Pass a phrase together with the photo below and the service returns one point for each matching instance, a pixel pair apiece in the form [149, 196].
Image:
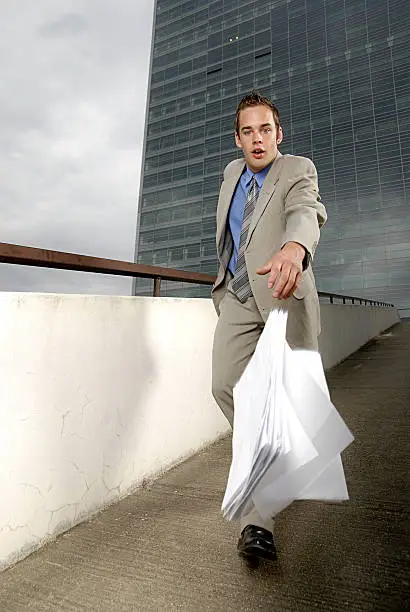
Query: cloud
[71, 132]
[69, 25]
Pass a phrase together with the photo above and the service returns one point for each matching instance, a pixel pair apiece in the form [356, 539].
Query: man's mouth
[258, 153]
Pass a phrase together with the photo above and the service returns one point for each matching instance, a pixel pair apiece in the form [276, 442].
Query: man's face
[258, 137]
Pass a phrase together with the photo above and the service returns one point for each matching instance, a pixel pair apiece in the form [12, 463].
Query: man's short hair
[256, 99]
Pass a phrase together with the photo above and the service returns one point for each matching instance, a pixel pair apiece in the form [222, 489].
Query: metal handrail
[45, 258]
[352, 299]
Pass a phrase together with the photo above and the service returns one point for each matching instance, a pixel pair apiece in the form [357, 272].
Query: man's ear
[279, 136]
[237, 141]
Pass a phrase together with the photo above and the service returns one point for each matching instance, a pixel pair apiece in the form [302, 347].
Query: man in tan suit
[268, 220]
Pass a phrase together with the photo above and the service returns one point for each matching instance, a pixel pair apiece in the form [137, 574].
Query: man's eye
[267, 130]
[247, 132]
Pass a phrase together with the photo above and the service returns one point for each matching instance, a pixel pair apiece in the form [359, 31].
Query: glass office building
[339, 72]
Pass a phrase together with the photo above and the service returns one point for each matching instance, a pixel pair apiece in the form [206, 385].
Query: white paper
[287, 436]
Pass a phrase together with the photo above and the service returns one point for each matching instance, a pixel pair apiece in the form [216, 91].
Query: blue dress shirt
[238, 206]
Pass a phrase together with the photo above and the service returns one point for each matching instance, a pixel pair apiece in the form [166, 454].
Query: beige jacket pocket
[306, 284]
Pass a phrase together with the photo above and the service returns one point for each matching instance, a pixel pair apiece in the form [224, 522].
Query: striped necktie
[240, 282]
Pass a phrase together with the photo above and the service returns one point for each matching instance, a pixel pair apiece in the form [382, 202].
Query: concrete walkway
[167, 548]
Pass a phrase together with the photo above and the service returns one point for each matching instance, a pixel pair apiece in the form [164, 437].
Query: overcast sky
[73, 82]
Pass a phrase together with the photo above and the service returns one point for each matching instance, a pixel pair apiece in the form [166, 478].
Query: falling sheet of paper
[287, 436]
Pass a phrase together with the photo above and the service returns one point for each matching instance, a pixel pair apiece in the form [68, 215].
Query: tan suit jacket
[288, 209]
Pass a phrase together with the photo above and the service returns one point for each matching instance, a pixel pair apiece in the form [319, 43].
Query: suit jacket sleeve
[304, 211]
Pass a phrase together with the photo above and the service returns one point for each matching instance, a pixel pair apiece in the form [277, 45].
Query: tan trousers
[237, 332]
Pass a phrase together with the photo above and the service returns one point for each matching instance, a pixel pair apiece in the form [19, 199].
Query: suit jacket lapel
[225, 198]
[265, 194]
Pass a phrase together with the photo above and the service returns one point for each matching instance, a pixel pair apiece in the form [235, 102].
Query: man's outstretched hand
[285, 270]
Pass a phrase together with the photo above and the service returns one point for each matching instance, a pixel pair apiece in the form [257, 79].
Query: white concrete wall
[96, 395]
[99, 393]
[345, 328]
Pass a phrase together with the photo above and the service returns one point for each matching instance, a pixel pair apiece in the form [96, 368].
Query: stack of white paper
[287, 435]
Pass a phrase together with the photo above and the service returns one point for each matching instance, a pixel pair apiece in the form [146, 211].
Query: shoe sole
[257, 553]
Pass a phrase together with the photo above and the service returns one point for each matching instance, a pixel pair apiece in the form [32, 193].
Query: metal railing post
[157, 286]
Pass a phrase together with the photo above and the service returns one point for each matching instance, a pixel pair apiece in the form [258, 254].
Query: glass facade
[339, 72]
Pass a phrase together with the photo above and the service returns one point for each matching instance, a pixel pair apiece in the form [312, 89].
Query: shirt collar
[259, 176]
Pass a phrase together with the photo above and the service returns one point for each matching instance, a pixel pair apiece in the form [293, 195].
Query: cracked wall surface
[97, 394]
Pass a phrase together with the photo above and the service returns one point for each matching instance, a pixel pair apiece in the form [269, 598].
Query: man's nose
[257, 137]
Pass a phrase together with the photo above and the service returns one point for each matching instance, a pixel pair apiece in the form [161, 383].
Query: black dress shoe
[256, 542]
